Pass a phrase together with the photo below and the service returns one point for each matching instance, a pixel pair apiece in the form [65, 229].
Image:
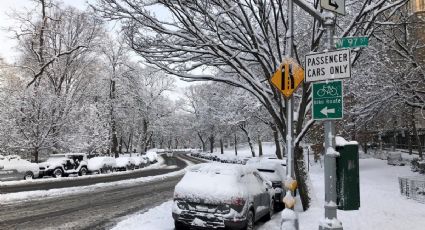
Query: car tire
[57, 173]
[29, 176]
[179, 226]
[83, 171]
[250, 220]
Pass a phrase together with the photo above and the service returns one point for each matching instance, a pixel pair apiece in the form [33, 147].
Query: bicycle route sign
[327, 65]
[327, 100]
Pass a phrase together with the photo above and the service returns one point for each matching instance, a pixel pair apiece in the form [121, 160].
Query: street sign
[327, 65]
[327, 100]
[351, 42]
[337, 6]
[288, 77]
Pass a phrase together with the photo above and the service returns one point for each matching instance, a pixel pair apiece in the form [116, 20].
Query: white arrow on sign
[325, 111]
[337, 6]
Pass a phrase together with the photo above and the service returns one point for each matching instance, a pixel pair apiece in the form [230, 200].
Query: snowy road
[97, 209]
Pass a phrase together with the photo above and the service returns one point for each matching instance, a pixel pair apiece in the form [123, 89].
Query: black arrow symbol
[333, 4]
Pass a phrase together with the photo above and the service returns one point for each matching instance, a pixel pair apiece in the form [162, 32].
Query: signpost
[327, 65]
[337, 6]
[327, 100]
[288, 77]
[351, 42]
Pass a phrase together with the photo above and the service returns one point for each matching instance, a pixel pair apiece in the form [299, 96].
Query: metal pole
[331, 221]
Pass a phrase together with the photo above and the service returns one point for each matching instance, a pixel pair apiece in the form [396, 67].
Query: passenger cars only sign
[327, 66]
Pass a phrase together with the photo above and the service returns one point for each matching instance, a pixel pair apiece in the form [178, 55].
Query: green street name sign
[327, 100]
[351, 42]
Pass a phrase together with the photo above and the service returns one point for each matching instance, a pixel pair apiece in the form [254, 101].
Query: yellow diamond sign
[288, 77]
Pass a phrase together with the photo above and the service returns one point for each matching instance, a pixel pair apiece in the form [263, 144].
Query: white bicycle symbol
[328, 91]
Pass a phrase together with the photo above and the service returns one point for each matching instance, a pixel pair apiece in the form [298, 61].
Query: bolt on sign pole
[331, 221]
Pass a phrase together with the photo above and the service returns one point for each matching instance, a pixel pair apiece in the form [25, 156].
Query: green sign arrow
[327, 100]
[351, 42]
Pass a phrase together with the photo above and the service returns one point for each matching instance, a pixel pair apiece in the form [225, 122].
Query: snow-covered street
[382, 206]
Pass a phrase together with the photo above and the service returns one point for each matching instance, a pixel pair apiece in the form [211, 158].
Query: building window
[417, 6]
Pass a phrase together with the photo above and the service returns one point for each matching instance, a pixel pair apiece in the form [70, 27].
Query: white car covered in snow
[14, 168]
[273, 171]
[103, 164]
[141, 161]
[124, 163]
[215, 195]
[59, 165]
[152, 156]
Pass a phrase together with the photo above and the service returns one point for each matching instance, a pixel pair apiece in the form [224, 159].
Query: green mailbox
[347, 175]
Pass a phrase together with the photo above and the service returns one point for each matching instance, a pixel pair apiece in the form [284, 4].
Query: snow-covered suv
[59, 165]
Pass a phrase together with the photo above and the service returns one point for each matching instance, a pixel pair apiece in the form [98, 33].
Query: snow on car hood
[19, 165]
[210, 187]
[96, 163]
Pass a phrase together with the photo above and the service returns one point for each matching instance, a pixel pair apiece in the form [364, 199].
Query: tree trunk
[394, 135]
[212, 141]
[415, 133]
[249, 139]
[36, 153]
[301, 177]
[221, 146]
[204, 148]
[260, 147]
[236, 145]
[114, 139]
[144, 135]
[120, 145]
[276, 141]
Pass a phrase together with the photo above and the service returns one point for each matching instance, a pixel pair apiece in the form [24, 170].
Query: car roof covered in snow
[221, 168]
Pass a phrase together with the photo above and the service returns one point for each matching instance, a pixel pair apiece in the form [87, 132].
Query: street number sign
[328, 100]
[288, 77]
[327, 65]
[337, 6]
[351, 42]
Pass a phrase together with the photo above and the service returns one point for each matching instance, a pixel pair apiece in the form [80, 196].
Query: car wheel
[179, 226]
[57, 173]
[250, 220]
[82, 172]
[29, 176]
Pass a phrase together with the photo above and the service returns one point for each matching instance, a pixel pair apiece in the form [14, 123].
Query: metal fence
[413, 188]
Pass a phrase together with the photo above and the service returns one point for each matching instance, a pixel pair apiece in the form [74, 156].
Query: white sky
[7, 44]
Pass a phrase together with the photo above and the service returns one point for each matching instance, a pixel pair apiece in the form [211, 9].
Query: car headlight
[182, 205]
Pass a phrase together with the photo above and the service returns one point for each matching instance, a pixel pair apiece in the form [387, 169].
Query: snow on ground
[243, 149]
[157, 218]
[382, 206]
[41, 194]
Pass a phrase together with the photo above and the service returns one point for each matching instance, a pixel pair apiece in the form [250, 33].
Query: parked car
[274, 172]
[215, 195]
[14, 168]
[102, 164]
[59, 165]
[140, 161]
[125, 163]
[153, 157]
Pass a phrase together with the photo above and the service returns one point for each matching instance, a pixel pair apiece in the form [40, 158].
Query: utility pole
[331, 221]
[289, 217]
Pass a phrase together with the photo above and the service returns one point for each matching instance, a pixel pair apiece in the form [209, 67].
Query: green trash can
[347, 175]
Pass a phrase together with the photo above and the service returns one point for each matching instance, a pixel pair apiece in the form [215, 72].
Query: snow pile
[96, 163]
[152, 155]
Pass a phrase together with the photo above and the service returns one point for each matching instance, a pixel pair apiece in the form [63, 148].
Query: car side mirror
[1, 167]
[268, 184]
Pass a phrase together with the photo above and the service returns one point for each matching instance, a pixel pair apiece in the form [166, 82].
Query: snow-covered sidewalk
[382, 206]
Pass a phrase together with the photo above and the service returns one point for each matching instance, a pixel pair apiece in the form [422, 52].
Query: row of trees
[75, 88]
